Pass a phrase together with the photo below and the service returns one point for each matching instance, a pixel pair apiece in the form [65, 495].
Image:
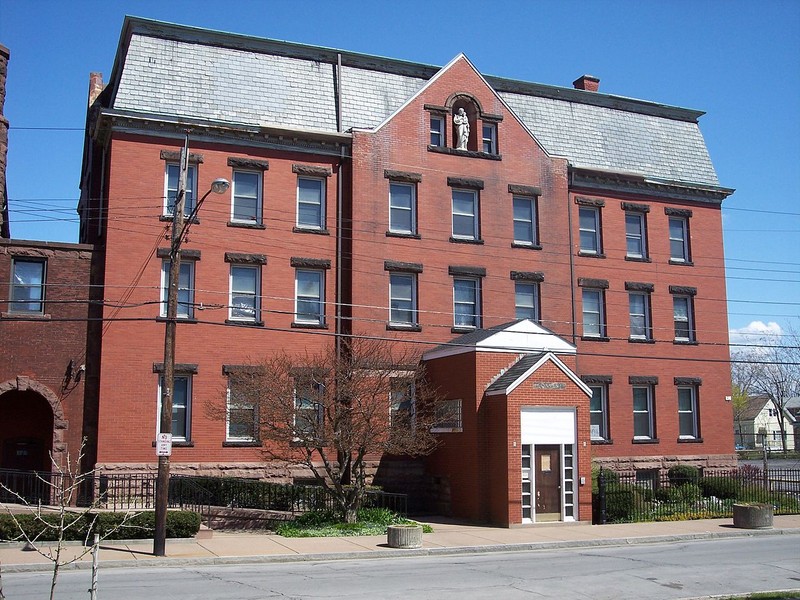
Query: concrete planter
[752, 516]
[405, 536]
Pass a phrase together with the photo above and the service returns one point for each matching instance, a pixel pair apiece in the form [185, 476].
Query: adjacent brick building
[373, 196]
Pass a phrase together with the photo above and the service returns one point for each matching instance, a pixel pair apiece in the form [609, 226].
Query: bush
[621, 503]
[683, 475]
[609, 477]
[687, 493]
[110, 526]
[724, 488]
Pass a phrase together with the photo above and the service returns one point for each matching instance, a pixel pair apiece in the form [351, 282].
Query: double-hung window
[682, 318]
[244, 293]
[465, 214]
[526, 300]
[401, 401]
[310, 203]
[687, 412]
[246, 195]
[598, 412]
[308, 409]
[489, 138]
[309, 297]
[639, 310]
[27, 286]
[171, 183]
[403, 299]
[593, 312]
[643, 408]
[181, 407]
[635, 235]
[437, 130]
[679, 239]
[242, 412]
[185, 289]
[466, 302]
[589, 226]
[402, 208]
[525, 226]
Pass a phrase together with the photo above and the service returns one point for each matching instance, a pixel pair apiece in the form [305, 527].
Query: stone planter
[752, 516]
[405, 536]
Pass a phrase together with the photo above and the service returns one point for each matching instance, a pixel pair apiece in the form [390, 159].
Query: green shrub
[621, 503]
[687, 493]
[609, 477]
[381, 516]
[724, 488]
[683, 475]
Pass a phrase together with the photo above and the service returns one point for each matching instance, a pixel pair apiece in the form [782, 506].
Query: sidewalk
[448, 538]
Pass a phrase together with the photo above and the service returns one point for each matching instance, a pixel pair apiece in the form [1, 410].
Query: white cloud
[756, 332]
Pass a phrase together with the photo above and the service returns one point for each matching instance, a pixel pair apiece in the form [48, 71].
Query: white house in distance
[758, 425]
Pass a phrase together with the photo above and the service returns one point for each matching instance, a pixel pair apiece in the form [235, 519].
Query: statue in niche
[461, 121]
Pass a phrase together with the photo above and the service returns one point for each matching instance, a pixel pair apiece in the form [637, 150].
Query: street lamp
[180, 228]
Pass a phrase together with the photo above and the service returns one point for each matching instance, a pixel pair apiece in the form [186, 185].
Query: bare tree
[770, 367]
[61, 490]
[332, 411]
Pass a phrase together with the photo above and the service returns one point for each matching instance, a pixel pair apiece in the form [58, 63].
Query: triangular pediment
[525, 367]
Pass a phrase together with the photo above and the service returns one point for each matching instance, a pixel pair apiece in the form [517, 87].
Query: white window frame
[171, 192]
[528, 203]
[475, 302]
[646, 409]
[635, 235]
[408, 304]
[256, 218]
[319, 221]
[679, 318]
[185, 306]
[690, 410]
[465, 216]
[319, 299]
[589, 233]
[600, 312]
[639, 316]
[401, 393]
[396, 209]
[489, 138]
[526, 290]
[177, 403]
[601, 414]
[449, 416]
[682, 242]
[235, 294]
[437, 130]
[32, 297]
[232, 404]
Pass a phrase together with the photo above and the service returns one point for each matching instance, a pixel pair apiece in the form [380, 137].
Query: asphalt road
[657, 572]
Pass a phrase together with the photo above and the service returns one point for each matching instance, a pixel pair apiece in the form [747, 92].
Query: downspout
[337, 90]
[571, 264]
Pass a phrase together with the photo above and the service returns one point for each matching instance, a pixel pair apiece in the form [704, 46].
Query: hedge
[110, 526]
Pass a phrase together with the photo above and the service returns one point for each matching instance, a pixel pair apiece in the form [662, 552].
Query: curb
[395, 553]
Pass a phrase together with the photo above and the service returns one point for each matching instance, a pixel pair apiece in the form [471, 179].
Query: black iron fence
[137, 492]
[772, 442]
[687, 493]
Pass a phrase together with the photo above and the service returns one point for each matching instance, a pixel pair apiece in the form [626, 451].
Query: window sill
[447, 429]
[465, 153]
[241, 444]
[591, 254]
[246, 225]
[462, 329]
[399, 327]
[684, 263]
[244, 323]
[645, 441]
[602, 442]
[642, 259]
[310, 230]
[169, 219]
[694, 440]
[685, 342]
[309, 326]
[641, 341]
[399, 234]
[25, 316]
[456, 240]
[595, 338]
[177, 320]
[524, 245]
[179, 444]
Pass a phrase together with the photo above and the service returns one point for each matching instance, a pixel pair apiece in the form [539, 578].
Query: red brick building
[378, 197]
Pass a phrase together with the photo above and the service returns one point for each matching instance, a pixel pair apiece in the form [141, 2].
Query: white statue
[462, 129]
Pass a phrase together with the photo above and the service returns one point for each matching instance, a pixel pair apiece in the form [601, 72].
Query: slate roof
[755, 405]
[166, 70]
[516, 371]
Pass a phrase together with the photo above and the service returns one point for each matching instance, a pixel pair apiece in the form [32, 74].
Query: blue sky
[737, 60]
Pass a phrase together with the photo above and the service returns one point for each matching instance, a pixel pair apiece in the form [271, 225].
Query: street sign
[164, 444]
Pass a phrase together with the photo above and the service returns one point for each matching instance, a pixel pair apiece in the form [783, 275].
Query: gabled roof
[176, 72]
[521, 336]
[755, 404]
[524, 368]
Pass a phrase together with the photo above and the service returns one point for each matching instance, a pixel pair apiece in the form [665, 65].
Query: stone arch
[60, 423]
[472, 108]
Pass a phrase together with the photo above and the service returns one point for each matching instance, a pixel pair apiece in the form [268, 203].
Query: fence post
[601, 495]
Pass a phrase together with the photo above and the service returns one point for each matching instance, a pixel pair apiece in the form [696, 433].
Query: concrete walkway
[448, 538]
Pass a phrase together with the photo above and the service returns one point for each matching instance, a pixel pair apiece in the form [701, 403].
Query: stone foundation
[635, 463]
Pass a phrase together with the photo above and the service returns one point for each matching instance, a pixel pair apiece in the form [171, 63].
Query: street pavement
[448, 538]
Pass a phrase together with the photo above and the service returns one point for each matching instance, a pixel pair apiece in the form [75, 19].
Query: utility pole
[168, 376]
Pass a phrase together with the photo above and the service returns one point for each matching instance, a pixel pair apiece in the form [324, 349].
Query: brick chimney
[590, 83]
[95, 86]
[5, 54]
